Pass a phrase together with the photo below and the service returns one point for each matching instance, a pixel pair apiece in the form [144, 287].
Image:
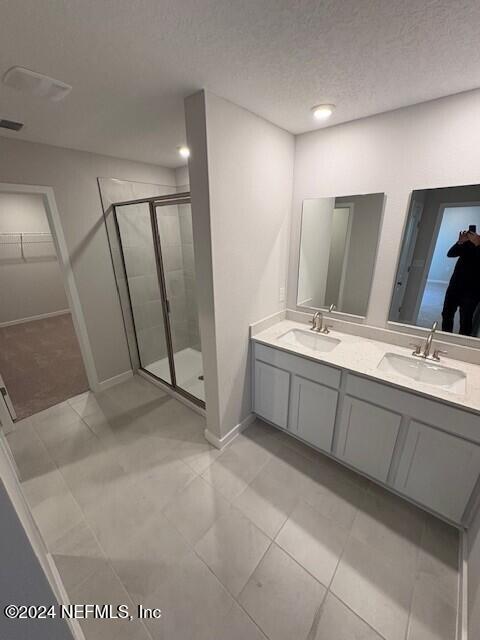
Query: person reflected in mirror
[463, 291]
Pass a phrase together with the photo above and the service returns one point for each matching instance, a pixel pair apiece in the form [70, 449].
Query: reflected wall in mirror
[438, 274]
[338, 247]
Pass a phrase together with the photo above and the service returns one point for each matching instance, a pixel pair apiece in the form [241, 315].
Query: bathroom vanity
[410, 424]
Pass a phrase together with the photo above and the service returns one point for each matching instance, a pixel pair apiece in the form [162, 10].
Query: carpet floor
[41, 363]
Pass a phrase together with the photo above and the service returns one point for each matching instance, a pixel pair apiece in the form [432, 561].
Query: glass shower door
[174, 224]
[144, 284]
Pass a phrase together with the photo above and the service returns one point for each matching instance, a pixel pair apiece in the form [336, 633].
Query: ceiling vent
[36, 84]
[10, 124]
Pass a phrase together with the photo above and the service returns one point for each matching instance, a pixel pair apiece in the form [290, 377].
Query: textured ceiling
[131, 63]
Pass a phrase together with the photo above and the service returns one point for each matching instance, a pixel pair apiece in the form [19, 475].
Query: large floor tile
[267, 503]
[232, 548]
[281, 597]
[391, 526]
[29, 452]
[194, 603]
[55, 516]
[313, 541]
[142, 560]
[102, 588]
[438, 559]
[44, 487]
[57, 436]
[77, 556]
[431, 617]
[338, 622]
[195, 509]
[165, 480]
[93, 474]
[61, 414]
[336, 497]
[377, 590]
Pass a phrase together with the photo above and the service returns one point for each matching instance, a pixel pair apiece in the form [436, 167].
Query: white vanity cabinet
[272, 387]
[367, 437]
[438, 469]
[424, 449]
[313, 408]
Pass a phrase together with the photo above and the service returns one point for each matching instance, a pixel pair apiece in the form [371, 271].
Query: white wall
[31, 284]
[427, 145]
[73, 176]
[241, 178]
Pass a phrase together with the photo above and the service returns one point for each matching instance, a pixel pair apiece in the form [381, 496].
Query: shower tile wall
[143, 284]
[177, 248]
[186, 234]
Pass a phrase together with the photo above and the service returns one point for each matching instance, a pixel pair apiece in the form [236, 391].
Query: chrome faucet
[317, 322]
[326, 328]
[428, 346]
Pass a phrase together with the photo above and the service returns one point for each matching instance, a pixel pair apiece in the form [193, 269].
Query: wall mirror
[338, 247]
[438, 274]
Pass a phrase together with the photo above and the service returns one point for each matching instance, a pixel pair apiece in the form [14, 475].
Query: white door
[438, 470]
[271, 393]
[6, 397]
[6, 426]
[367, 437]
[406, 257]
[312, 412]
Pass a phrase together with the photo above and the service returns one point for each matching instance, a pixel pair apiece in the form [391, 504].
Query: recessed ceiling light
[184, 151]
[323, 111]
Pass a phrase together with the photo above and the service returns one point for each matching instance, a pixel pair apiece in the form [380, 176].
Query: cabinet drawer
[272, 387]
[300, 366]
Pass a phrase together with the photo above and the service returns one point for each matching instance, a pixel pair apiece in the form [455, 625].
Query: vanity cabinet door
[367, 437]
[272, 387]
[438, 470]
[312, 412]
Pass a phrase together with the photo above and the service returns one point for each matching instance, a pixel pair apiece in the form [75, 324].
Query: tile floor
[267, 539]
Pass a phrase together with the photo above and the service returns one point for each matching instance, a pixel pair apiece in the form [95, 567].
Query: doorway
[156, 248]
[41, 362]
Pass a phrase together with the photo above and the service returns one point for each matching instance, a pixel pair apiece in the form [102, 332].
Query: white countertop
[362, 355]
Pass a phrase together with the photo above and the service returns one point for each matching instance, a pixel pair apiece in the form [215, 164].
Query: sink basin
[424, 371]
[309, 339]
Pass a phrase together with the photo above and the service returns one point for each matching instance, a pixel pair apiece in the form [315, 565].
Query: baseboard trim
[111, 382]
[42, 316]
[221, 443]
[462, 626]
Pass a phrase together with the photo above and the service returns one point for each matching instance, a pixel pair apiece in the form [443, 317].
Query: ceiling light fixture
[323, 111]
[184, 151]
[36, 84]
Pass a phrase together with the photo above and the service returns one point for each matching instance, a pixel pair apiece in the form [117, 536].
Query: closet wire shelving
[23, 238]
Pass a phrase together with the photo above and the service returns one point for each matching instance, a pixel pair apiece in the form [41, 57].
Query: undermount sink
[309, 339]
[424, 371]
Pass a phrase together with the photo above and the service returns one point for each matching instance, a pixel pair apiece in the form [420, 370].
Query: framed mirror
[438, 273]
[338, 247]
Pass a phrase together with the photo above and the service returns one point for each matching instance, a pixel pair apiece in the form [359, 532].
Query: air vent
[11, 124]
[36, 84]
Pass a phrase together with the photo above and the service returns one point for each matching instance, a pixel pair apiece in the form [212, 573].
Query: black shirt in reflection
[466, 275]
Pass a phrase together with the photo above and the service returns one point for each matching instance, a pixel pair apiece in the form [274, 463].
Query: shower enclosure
[155, 252]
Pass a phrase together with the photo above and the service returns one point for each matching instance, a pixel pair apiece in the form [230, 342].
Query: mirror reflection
[438, 275]
[338, 247]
